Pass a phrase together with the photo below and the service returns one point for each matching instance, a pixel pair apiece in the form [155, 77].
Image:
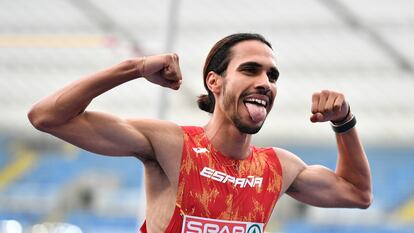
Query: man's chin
[249, 130]
[246, 128]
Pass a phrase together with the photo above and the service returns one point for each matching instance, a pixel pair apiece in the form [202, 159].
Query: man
[211, 179]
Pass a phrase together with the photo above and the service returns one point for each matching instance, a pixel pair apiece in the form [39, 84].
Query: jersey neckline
[223, 156]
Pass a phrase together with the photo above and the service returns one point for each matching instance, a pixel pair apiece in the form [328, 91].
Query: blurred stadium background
[361, 47]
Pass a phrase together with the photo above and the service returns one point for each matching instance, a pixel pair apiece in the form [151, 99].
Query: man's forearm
[72, 100]
[353, 163]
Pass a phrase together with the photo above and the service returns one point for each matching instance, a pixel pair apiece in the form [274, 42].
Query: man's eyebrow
[250, 64]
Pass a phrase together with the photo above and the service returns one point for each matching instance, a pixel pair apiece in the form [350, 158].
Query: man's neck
[226, 138]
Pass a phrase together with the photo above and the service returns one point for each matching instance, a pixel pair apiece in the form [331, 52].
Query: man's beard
[242, 127]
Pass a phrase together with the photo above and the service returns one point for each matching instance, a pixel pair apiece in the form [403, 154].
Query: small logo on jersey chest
[200, 150]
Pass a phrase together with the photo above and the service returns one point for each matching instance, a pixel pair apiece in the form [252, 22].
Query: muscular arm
[63, 113]
[350, 184]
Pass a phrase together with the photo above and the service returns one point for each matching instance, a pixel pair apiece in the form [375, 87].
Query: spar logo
[207, 225]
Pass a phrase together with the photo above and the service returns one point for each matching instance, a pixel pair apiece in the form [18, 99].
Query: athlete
[211, 178]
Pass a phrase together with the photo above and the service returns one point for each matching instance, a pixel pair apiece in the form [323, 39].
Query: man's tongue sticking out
[257, 113]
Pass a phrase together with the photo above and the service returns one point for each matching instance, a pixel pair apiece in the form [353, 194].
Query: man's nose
[263, 82]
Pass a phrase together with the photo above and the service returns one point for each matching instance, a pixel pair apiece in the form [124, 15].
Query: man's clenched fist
[163, 70]
[329, 106]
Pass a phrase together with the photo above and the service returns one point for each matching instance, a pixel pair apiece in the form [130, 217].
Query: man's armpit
[292, 189]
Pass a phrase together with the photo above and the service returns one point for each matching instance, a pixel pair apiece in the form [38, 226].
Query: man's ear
[214, 82]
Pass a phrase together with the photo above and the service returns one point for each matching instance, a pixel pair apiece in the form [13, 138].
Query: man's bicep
[104, 134]
[319, 186]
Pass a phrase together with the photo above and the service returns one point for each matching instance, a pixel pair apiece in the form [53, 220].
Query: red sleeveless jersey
[218, 194]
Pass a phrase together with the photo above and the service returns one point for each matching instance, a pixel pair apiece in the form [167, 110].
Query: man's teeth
[258, 101]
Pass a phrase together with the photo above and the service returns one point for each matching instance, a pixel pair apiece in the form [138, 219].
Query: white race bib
[193, 224]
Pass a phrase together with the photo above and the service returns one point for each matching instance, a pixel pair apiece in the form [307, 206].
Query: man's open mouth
[256, 101]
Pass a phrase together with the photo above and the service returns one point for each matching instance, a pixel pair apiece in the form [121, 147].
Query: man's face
[249, 85]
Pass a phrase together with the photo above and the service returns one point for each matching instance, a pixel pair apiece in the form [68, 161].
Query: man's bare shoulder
[292, 165]
[164, 136]
[166, 140]
[289, 158]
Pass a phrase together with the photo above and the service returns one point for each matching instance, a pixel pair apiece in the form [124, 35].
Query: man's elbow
[366, 200]
[38, 119]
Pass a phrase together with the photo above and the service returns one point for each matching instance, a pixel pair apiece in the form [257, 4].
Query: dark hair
[218, 59]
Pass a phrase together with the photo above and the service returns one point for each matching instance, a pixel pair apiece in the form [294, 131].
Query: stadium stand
[361, 47]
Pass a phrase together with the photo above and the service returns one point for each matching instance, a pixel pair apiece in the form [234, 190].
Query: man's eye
[250, 70]
[273, 75]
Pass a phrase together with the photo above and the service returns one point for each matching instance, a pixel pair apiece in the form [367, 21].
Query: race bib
[193, 224]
